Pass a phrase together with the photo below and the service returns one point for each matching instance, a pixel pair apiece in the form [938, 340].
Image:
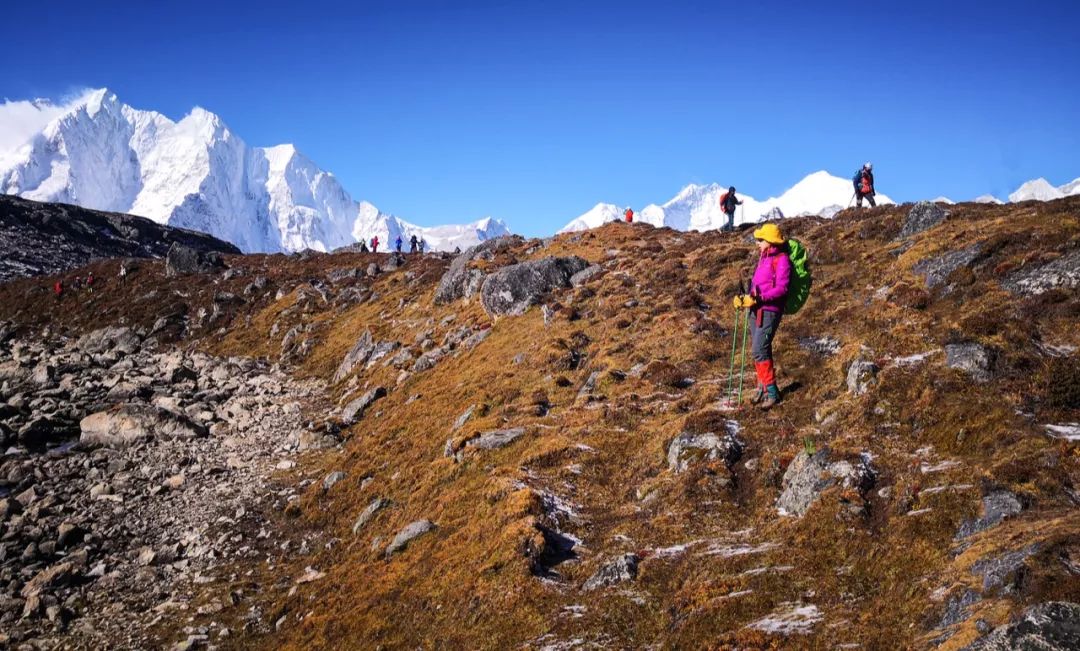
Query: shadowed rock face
[49, 238]
[512, 290]
[1053, 626]
[1063, 273]
[460, 281]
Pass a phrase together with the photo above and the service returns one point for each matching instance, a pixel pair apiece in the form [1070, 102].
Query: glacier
[196, 173]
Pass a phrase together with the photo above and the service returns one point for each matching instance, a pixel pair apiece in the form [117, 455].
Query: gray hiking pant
[761, 336]
[869, 197]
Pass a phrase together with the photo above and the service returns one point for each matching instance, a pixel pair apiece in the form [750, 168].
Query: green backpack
[800, 281]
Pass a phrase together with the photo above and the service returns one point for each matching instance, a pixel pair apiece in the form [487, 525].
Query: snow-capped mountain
[198, 174]
[697, 207]
[1041, 190]
[987, 198]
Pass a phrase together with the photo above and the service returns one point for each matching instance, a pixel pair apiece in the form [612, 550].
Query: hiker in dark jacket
[727, 203]
[414, 246]
[864, 186]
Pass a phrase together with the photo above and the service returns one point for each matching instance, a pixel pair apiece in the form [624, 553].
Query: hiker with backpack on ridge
[780, 285]
[397, 244]
[727, 203]
[864, 186]
[629, 215]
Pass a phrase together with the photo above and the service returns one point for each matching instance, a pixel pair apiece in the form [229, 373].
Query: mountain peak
[1038, 190]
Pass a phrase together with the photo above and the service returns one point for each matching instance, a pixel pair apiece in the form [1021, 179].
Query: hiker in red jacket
[768, 293]
[864, 186]
[58, 289]
[629, 215]
[375, 244]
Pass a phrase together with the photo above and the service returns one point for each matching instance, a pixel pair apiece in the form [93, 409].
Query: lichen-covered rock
[691, 447]
[376, 505]
[937, 269]
[996, 506]
[460, 281]
[1063, 273]
[410, 533]
[622, 569]
[862, 374]
[974, 359]
[512, 290]
[123, 340]
[923, 216]
[583, 276]
[356, 356]
[354, 411]
[809, 475]
[1052, 626]
[131, 423]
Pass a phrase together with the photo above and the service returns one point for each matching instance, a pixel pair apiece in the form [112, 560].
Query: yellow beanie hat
[770, 233]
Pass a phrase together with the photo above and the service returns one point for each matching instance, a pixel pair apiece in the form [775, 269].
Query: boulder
[583, 276]
[42, 431]
[512, 290]
[182, 260]
[376, 505]
[354, 411]
[862, 374]
[824, 346]
[410, 533]
[122, 340]
[974, 359]
[924, 215]
[496, 439]
[460, 281]
[332, 479]
[1063, 273]
[996, 506]
[623, 568]
[358, 355]
[131, 423]
[809, 475]
[1051, 626]
[690, 447]
[937, 269]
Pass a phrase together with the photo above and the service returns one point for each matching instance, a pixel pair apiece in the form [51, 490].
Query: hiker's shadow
[794, 387]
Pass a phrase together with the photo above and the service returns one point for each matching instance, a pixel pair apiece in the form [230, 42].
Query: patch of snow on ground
[1066, 431]
[738, 550]
[914, 360]
[798, 619]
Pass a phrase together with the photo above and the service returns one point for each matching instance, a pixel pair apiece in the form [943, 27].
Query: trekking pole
[852, 199]
[742, 355]
[731, 367]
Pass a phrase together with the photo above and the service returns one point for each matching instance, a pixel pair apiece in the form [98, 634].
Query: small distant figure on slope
[768, 294]
[414, 245]
[90, 283]
[58, 290]
[727, 203]
[864, 186]
[123, 273]
[363, 246]
[375, 244]
[423, 245]
[76, 284]
[629, 215]
[398, 243]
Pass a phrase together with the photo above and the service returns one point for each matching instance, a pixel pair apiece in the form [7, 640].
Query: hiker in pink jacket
[768, 292]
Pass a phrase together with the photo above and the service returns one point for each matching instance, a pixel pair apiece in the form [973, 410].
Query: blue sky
[534, 111]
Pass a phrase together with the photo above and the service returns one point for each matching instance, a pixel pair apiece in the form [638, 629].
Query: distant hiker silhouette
[398, 243]
[375, 244]
[58, 289]
[629, 215]
[414, 246]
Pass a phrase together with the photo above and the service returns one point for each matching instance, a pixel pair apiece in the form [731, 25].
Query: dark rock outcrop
[460, 281]
[974, 359]
[512, 290]
[182, 260]
[620, 570]
[1063, 273]
[923, 216]
[937, 269]
[51, 238]
[809, 475]
[1053, 626]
